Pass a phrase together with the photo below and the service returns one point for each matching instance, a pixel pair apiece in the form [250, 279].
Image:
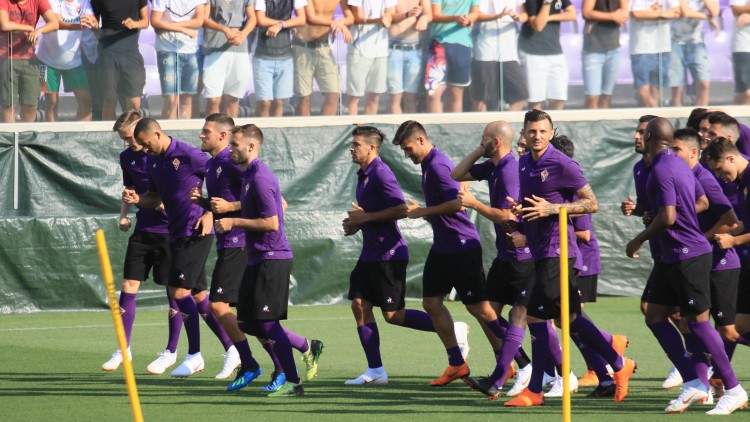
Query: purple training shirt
[377, 189]
[451, 233]
[723, 259]
[224, 180]
[261, 198]
[641, 170]
[173, 174]
[135, 175]
[590, 257]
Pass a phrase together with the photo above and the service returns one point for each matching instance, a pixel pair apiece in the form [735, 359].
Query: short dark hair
[727, 121]
[221, 119]
[371, 133]
[535, 115]
[696, 117]
[646, 118]
[126, 119]
[719, 148]
[689, 136]
[408, 129]
[146, 124]
[249, 131]
[563, 144]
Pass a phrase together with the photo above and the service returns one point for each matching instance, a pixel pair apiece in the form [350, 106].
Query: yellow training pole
[135, 404]
[565, 312]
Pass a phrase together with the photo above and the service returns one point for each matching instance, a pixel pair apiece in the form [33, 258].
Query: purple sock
[593, 338]
[744, 339]
[671, 342]
[418, 320]
[175, 325]
[127, 313]
[191, 319]
[268, 346]
[513, 340]
[454, 356]
[711, 341]
[607, 336]
[497, 328]
[555, 352]
[272, 330]
[594, 362]
[697, 357]
[297, 341]
[539, 354]
[246, 356]
[369, 336]
[204, 308]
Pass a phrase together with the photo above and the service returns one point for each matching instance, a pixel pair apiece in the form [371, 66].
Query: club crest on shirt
[176, 163]
[544, 174]
[367, 179]
[218, 172]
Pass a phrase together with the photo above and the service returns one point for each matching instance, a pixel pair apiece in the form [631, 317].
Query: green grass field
[50, 370]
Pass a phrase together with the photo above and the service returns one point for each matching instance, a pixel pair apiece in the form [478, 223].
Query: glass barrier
[603, 58]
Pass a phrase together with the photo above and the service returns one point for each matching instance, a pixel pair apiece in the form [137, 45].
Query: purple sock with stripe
[511, 344]
[418, 320]
[272, 330]
[697, 357]
[555, 352]
[369, 336]
[127, 313]
[204, 308]
[297, 341]
[712, 343]
[539, 354]
[191, 319]
[671, 342]
[175, 325]
[593, 338]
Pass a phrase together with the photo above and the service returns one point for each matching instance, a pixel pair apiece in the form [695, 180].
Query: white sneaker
[165, 360]
[192, 364]
[733, 399]
[375, 376]
[115, 361]
[674, 379]
[548, 379]
[693, 391]
[557, 386]
[523, 377]
[462, 337]
[231, 362]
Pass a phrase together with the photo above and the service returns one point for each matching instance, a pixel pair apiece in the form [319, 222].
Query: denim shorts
[648, 69]
[600, 71]
[404, 70]
[692, 57]
[273, 79]
[178, 72]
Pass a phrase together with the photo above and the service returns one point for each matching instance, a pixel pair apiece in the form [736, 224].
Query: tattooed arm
[586, 204]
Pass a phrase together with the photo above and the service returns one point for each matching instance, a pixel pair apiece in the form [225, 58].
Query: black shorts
[461, 270]
[587, 288]
[120, 75]
[743, 292]
[657, 272]
[545, 297]
[147, 251]
[686, 284]
[189, 255]
[507, 280]
[485, 85]
[227, 275]
[264, 292]
[724, 286]
[382, 283]
[741, 67]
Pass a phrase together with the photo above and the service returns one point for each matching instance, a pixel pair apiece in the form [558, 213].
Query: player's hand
[509, 226]
[738, 229]
[539, 208]
[347, 35]
[467, 199]
[422, 23]
[743, 20]
[648, 218]
[655, 7]
[724, 240]
[515, 207]
[627, 206]
[204, 224]
[224, 225]
[130, 197]
[632, 248]
[124, 224]
[517, 240]
[670, 14]
[465, 20]
[349, 228]
[414, 11]
[220, 206]
[89, 21]
[231, 34]
[129, 23]
[412, 211]
[196, 195]
[357, 215]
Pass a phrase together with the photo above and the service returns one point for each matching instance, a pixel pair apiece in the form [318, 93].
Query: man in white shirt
[741, 51]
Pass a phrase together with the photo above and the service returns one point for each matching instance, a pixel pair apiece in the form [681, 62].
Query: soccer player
[686, 256]
[549, 180]
[512, 269]
[264, 291]
[148, 249]
[174, 168]
[455, 259]
[379, 278]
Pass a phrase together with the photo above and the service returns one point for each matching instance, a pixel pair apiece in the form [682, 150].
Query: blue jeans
[650, 70]
[404, 70]
[178, 72]
[600, 71]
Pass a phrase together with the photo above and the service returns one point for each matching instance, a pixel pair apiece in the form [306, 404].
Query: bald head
[502, 130]
[658, 135]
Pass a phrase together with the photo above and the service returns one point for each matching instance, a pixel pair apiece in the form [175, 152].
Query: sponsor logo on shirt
[269, 253]
[545, 175]
[585, 268]
[392, 252]
[176, 163]
[132, 163]
[526, 250]
[367, 179]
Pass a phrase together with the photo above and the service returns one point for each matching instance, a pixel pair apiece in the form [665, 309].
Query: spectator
[405, 55]
[177, 23]
[601, 49]
[367, 55]
[449, 55]
[313, 58]
[546, 66]
[226, 65]
[119, 67]
[741, 51]
[650, 46]
[89, 55]
[688, 51]
[60, 56]
[18, 71]
[273, 66]
[496, 54]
